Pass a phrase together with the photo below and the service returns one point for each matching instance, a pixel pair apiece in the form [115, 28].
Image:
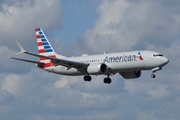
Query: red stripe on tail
[53, 56]
[38, 37]
[46, 65]
[40, 44]
[42, 51]
[36, 30]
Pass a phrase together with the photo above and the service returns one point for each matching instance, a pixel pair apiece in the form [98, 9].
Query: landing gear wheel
[87, 78]
[107, 80]
[153, 75]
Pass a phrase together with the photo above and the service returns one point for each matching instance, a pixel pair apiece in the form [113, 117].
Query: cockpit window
[156, 55]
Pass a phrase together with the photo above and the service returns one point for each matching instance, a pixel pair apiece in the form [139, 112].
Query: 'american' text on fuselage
[124, 58]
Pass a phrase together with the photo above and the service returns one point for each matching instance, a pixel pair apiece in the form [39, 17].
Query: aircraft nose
[164, 60]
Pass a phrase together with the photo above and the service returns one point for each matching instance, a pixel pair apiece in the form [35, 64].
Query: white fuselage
[117, 62]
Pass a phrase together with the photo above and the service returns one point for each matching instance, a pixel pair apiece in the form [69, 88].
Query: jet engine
[131, 75]
[97, 68]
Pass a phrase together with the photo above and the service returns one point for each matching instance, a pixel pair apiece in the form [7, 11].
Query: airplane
[128, 64]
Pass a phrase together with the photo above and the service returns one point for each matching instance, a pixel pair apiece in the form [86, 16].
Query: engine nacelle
[131, 75]
[97, 68]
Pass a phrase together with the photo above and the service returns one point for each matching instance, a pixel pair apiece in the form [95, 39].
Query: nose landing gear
[153, 75]
[154, 70]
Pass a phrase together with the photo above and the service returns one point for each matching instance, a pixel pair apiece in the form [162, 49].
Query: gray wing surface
[63, 62]
[30, 61]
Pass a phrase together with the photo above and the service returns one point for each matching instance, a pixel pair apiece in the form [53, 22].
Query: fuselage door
[145, 59]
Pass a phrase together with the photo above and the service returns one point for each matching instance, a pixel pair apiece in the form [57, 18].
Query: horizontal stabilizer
[20, 47]
[30, 61]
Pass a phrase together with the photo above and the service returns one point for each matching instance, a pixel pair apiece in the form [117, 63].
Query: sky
[91, 27]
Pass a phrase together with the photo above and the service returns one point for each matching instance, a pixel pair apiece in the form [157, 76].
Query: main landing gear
[154, 70]
[87, 78]
[106, 80]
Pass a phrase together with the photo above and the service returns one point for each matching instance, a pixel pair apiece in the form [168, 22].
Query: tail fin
[44, 46]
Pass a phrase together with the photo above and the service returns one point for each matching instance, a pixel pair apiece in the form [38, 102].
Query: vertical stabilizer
[44, 48]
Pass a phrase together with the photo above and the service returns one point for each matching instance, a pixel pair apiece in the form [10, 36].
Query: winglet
[20, 47]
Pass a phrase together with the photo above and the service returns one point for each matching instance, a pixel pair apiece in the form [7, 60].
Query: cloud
[60, 84]
[128, 25]
[6, 64]
[20, 18]
[11, 84]
[150, 90]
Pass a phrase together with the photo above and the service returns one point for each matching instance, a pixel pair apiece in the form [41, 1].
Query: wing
[30, 61]
[63, 62]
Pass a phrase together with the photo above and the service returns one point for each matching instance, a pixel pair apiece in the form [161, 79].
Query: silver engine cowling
[97, 68]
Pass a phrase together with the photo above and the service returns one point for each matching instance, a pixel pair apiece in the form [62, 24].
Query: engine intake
[131, 75]
[97, 68]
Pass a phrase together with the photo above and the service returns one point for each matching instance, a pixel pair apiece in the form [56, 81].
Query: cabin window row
[92, 61]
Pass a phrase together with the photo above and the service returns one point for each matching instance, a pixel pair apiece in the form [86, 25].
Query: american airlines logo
[124, 58]
[140, 56]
